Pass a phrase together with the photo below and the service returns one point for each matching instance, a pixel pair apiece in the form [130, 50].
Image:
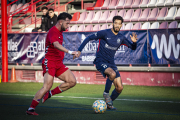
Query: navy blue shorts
[102, 66]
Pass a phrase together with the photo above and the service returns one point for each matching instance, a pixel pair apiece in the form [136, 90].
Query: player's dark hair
[50, 9]
[44, 8]
[118, 18]
[63, 16]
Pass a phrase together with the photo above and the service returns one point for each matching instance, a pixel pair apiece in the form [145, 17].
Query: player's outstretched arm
[61, 48]
[95, 36]
[128, 43]
[134, 37]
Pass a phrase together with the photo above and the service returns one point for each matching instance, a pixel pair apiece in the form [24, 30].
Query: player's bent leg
[108, 85]
[116, 92]
[111, 73]
[111, 76]
[48, 81]
[42, 93]
[46, 96]
[118, 88]
[69, 80]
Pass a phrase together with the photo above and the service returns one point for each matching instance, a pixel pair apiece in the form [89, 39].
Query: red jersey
[52, 53]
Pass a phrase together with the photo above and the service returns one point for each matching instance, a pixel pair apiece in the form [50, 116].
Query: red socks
[34, 104]
[56, 90]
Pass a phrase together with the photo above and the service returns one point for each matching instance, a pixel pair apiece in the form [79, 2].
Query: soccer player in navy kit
[109, 41]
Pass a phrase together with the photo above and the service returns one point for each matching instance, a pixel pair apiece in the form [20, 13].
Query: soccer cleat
[107, 99]
[46, 96]
[31, 112]
[111, 107]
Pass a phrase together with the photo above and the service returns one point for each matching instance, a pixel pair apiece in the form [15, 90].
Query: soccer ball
[99, 106]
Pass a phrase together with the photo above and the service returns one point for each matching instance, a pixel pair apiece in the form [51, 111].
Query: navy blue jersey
[108, 44]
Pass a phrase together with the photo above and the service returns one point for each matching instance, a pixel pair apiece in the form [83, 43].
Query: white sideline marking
[137, 100]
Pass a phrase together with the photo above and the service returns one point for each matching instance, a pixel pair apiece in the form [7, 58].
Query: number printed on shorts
[104, 65]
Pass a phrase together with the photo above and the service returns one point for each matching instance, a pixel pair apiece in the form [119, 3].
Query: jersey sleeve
[95, 36]
[129, 44]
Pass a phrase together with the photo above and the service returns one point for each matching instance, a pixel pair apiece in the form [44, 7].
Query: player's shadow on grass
[63, 105]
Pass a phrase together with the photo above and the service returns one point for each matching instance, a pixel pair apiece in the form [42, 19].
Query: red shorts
[54, 68]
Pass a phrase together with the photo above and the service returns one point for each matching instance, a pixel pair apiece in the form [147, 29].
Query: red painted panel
[128, 78]
[151, 78]
[85, 77]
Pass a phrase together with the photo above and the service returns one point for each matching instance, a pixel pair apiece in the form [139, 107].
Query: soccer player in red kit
[53, 65]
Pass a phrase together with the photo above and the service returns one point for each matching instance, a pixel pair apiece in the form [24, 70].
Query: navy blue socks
[114, 94]
[108, 85]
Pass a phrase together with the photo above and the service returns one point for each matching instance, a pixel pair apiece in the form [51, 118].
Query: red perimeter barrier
[94, 77]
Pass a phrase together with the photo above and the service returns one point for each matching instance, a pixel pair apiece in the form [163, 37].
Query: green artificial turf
[134, 103]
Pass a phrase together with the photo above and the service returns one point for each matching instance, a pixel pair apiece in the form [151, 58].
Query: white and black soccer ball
[99, 106]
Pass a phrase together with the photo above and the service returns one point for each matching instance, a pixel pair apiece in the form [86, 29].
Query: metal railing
[32, 11]
[8, 15]
[12, 2]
